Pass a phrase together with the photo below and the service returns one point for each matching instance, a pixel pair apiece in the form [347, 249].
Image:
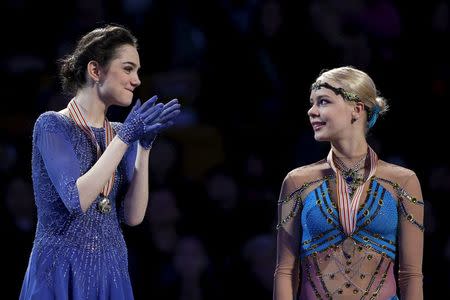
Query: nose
[313, 112]
[135, 81]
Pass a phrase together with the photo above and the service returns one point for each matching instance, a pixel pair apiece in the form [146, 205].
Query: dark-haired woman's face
[121, 77]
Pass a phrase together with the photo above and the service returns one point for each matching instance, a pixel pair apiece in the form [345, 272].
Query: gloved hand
[141, 121]
[170, 111]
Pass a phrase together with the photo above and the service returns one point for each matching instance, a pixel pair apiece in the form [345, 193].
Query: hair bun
[382, 104]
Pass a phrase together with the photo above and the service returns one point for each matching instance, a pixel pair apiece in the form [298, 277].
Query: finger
[171, 103]
[169, 116]
[152, 116]
[150, 110]
[136, 105]
[166, 125]
[154, 128]
[149, 103]
[169, 110]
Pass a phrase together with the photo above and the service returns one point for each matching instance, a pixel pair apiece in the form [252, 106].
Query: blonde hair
[359, 83]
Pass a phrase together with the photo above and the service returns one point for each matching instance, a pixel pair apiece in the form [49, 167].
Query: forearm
[288, 239]
[410, 283]
[136, 199]
[92, 182]
[410, 276]
[286, 277]
[285, 283]
[411, 241]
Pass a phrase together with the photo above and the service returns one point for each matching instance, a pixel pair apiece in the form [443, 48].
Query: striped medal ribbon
[348, 208]
[104, 205]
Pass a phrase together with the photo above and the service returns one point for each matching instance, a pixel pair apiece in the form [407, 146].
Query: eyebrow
[319, 98]
[131, 63]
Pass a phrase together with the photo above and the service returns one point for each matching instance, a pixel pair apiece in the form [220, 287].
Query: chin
[321, 138]
[122, 104]
[125, 102]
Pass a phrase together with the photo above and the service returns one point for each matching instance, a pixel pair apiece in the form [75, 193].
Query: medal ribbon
[348, 208]
[77, 116]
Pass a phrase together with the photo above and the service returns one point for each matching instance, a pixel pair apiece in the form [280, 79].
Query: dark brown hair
[98, 45]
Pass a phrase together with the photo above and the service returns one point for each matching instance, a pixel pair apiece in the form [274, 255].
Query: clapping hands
[145, 121]
[169, 111]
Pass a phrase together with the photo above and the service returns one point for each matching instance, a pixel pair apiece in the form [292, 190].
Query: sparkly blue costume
[75, 255]
[377, 215]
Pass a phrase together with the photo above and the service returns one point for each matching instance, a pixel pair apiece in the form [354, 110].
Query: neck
[350, 151]
[93, 109]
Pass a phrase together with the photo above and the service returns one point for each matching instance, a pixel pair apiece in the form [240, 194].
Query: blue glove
[141, 121]
[169, 112]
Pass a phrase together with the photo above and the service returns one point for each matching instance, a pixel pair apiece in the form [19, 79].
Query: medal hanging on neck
[348, 206]
[351, 176]
[104, 205]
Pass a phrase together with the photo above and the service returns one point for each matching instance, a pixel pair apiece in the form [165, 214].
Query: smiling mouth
[318, 125]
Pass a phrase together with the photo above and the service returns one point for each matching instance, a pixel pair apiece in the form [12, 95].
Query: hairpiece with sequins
[373, 112]
[338, 91]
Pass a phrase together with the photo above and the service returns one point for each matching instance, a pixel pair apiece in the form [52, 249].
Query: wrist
[145, 145]
[131, 129]
[123, 138]
[147, 142]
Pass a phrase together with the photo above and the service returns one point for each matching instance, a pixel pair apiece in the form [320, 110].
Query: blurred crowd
[242, 71]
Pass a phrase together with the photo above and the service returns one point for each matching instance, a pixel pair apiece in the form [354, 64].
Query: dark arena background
[242, 70]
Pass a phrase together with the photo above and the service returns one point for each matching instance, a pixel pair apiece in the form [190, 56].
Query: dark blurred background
[242, 71]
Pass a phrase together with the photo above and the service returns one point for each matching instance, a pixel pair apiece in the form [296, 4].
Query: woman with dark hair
[89, 174]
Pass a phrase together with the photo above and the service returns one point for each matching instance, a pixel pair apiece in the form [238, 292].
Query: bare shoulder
[395, 173]
[309, 170]
[305, 174]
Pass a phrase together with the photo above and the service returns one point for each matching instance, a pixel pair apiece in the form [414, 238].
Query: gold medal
[104, 205]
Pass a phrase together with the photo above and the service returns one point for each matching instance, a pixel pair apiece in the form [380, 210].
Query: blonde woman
[345, 221]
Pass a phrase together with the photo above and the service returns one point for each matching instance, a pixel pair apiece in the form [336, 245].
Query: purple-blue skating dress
[75, 255]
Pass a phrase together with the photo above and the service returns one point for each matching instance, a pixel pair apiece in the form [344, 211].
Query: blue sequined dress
[75, 255]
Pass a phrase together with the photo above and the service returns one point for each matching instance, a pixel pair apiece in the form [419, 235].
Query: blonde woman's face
[330, 115]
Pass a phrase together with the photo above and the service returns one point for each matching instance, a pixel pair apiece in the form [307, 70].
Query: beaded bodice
[376, 221]
[336, 264]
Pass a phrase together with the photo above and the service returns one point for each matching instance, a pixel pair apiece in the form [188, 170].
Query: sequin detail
[133, 130]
